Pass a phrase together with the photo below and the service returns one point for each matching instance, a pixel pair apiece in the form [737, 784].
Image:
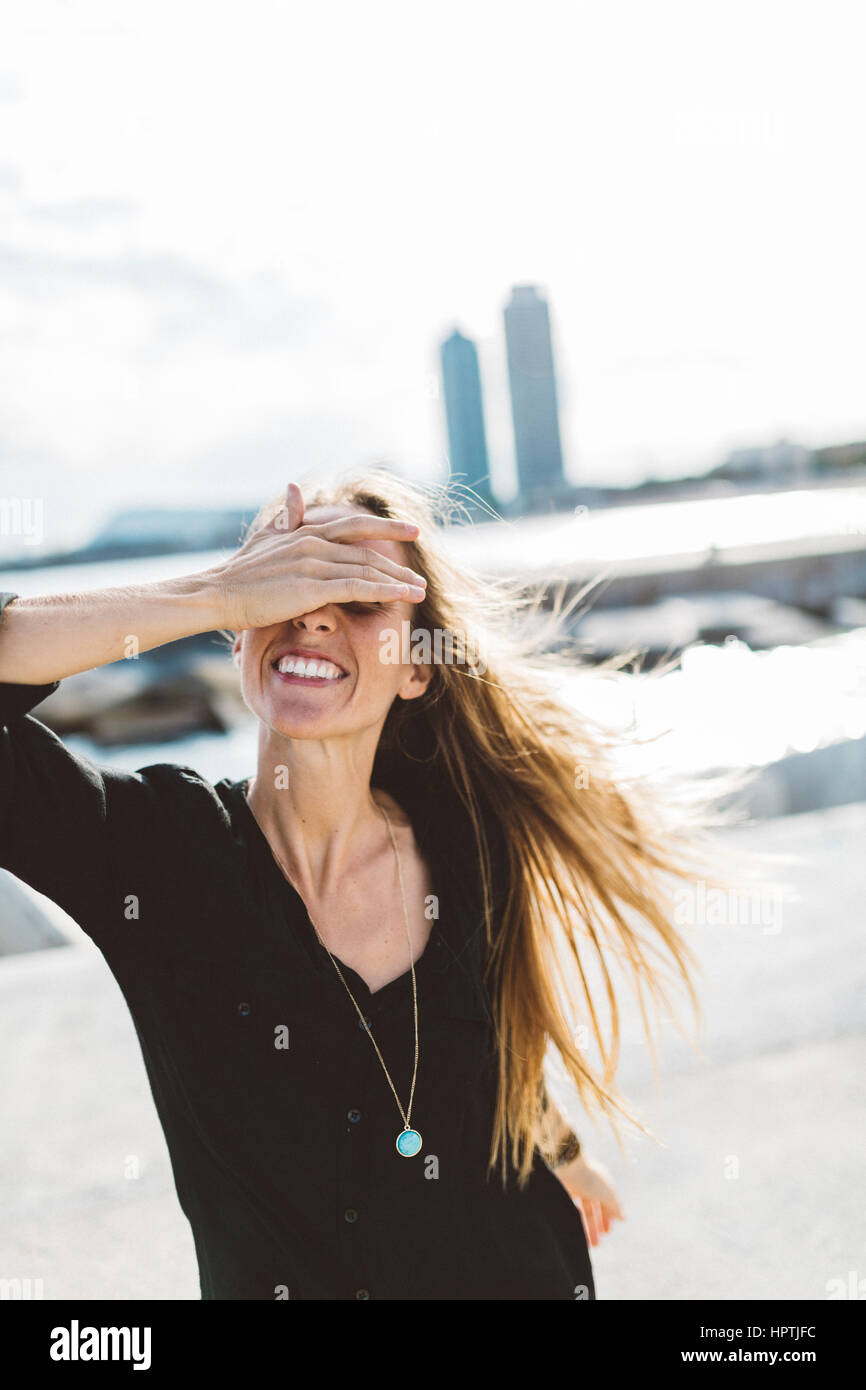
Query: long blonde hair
[593, 848]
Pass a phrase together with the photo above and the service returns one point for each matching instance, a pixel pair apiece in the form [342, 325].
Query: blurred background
[598, 272]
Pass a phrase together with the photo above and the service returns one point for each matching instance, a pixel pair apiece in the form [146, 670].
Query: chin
[297, 724]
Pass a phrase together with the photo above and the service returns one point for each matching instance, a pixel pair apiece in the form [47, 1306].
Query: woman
[345, 972]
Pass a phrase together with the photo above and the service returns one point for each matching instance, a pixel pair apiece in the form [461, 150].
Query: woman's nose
[322, 619]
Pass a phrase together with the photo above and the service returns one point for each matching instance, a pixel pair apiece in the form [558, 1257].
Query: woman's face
[358, 696]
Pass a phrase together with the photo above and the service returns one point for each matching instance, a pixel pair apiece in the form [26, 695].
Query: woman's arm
[585, 1181]
[46, 639]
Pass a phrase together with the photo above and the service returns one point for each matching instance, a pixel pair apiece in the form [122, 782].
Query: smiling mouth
[307, 671]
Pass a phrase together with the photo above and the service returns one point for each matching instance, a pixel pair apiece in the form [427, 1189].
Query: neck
[312, 800]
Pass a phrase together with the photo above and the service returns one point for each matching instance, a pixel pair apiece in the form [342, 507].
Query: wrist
[567, 1151]
[203, 596]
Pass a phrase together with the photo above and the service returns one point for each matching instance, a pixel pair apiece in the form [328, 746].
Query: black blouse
[279, 1120]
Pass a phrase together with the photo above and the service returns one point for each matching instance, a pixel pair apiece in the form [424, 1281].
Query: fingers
[291, 514]
[590, 1224]
[370, 563]
[606, 1195]
[599, 1222]
[352, 528]
[597, 1219]
[609, 1199]
[295, 504]
[290, 517]
[355, 588]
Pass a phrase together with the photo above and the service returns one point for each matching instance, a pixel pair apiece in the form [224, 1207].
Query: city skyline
[201, 299]
[533, 396]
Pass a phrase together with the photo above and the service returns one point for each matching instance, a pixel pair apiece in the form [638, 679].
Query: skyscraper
[464, 412]
[534, 405]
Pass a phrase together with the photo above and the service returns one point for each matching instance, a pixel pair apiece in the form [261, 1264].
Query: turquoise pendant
[408, 1143]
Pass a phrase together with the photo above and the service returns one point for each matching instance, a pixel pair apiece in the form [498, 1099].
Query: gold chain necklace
[408, 1140]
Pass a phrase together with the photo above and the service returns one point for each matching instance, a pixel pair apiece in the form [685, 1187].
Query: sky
[233, 237]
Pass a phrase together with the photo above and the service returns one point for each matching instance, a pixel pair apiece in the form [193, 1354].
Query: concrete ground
[757, 1192]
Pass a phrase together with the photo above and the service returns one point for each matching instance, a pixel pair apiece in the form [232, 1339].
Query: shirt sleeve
[101, 842]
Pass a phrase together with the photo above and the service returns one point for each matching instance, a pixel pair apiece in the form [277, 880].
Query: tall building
[534, 406]
[464, 410]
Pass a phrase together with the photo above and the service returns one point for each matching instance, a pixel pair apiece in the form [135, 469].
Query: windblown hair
[595, 847]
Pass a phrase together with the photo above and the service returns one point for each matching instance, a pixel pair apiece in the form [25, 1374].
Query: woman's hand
[591, 1187]
[288, 568]
[280, 572]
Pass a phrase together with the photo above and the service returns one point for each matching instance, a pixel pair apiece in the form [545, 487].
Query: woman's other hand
[591, 1187]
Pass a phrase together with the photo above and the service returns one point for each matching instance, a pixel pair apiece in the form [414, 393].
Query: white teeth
[300, 666]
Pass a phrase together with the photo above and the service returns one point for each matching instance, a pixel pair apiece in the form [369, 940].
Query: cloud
[151, 274]
[257, 312]
[84, 213]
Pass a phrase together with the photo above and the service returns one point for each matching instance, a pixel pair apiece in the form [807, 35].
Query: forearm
[47, 639]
